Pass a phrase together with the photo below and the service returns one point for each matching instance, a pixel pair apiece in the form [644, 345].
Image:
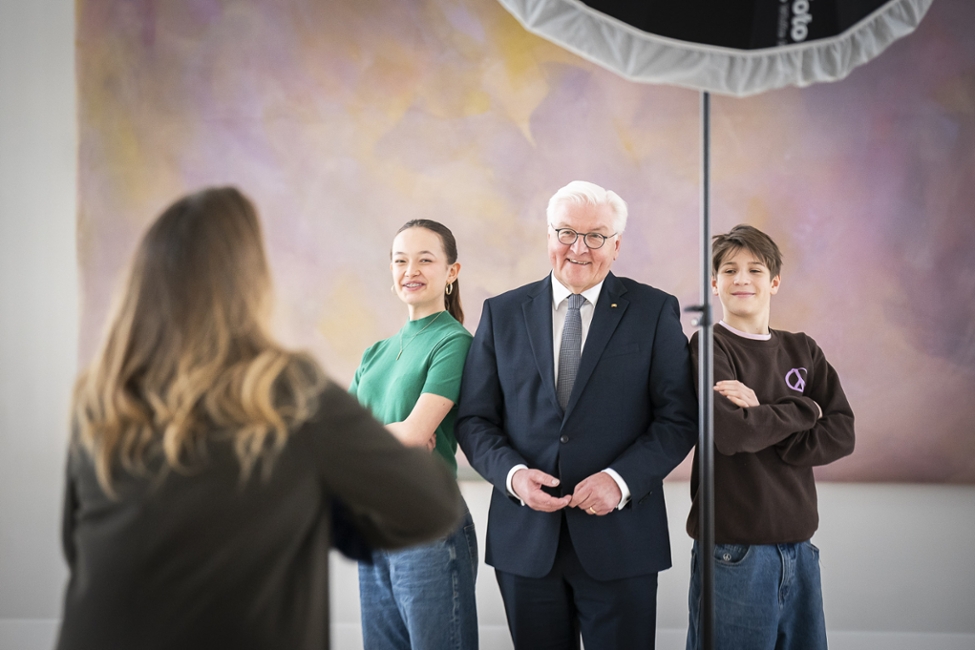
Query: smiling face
[421, 272]
[579, 267]
[745, 288]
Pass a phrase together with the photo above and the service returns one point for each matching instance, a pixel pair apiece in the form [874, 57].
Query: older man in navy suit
[577, 400]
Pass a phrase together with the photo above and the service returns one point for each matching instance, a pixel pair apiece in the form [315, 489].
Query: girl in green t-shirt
[421, 597]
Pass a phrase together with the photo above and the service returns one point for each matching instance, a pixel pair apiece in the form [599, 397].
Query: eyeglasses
[593, 240]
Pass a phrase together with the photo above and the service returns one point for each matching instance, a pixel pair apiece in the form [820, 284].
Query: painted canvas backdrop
[342, 120]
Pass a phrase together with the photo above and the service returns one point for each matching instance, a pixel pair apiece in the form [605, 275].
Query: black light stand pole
[705, 445]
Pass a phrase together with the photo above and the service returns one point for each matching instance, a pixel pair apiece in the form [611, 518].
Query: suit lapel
[609, 310]
[537, 311]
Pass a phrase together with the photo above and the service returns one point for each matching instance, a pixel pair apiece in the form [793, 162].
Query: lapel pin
[613, 305]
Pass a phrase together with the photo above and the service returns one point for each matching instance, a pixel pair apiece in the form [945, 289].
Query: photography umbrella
[730, 47]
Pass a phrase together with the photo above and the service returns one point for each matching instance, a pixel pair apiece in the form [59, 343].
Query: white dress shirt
[560, 306]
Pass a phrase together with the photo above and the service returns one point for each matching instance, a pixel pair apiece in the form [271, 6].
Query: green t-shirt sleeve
[447, 367]
[354, 387]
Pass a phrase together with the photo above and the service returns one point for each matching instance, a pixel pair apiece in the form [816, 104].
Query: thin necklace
[402, 346]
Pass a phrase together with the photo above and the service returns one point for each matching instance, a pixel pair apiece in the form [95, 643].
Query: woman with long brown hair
[204, 457]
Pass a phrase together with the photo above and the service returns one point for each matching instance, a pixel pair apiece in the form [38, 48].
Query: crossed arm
[743, 396]
[419, 429]
[815, 428]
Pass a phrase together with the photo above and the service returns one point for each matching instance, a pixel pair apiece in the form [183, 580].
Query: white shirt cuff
[624, 490]
[507, 481]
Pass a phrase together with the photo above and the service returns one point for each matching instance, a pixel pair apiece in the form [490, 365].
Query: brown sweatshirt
[764, 492]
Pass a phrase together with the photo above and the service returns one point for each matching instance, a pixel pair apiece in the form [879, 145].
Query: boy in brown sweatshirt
[779, 411]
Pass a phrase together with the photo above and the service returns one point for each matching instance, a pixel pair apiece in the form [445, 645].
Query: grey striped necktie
[571, 349]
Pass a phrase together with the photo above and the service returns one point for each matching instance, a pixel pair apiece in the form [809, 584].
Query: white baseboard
[673, 639]
[40, 634]
[848, 640]
[495, 637]
[28, 633]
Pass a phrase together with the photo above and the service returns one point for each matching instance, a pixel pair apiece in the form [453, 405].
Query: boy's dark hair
[751, 239]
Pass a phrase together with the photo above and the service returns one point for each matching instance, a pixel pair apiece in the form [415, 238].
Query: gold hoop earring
[450, 289]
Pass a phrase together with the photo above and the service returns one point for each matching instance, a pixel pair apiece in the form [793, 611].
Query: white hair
[586, 193]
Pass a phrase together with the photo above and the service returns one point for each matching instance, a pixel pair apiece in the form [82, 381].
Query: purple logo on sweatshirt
[796, 379]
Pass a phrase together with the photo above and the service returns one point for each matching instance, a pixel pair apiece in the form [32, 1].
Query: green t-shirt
[432, 361]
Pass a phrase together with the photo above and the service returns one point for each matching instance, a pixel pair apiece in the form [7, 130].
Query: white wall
[38, 306]
[898, 561]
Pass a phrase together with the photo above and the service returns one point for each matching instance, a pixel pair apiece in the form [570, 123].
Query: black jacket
[202, 560]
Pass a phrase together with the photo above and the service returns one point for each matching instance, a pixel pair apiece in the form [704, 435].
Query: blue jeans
[422, 598]
[766, 597]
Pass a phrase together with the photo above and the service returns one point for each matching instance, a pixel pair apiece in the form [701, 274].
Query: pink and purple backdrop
[342, 120]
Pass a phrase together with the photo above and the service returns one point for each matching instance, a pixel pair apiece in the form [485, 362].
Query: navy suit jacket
[633, 408]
